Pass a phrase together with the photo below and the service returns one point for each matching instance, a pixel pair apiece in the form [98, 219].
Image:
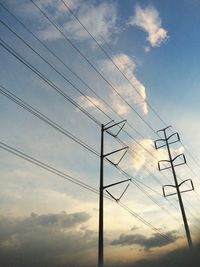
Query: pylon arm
[110, 185]
[115, 135]
[164, 129]
[175, 141]
[160, 140]
[192, 185]
[116, 164]
[113, 152]
[165, 168]
[115, 124]
[118, 199]
[157, 146]
[187, 190]
[184, 159]
[124, 191]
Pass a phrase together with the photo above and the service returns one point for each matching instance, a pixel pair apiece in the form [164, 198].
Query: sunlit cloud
[148, 20]
[145, 155]
[90, 102]
[133, 92]
[99, 20]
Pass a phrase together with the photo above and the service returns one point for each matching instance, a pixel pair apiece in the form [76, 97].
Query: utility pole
[105, 128]
[167, 141]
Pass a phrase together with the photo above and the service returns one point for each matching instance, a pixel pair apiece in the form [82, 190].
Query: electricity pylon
[171, 161]
[105, 128]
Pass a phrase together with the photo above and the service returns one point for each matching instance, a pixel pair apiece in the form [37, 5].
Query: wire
[76, 181]
[49, 64]
[47, 167]
[80, 80]
[136, 215]
[44, 118]
[112, 61]
[91, 64]
[34, 68]
[44, 78]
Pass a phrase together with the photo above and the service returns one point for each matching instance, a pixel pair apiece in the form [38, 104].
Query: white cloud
[99, 20]
[142, 157]
[126, 90]
[148, 19]
[91, 102]
[147, 49]
[147, 155]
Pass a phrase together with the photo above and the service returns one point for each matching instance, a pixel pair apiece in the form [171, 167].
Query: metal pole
[187, 230]
[100, 248]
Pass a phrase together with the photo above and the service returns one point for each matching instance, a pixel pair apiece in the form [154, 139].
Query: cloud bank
[46, 240]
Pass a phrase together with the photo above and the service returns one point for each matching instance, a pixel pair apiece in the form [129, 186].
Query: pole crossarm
[180, 155]
[110, 185]
[116, 164]
[157, 146]
[171, 161]
[179, 185]
[164, 129]
[113, 125]
[118, 199]
[113, 152]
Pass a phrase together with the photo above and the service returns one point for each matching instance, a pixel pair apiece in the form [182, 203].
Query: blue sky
[67, 77]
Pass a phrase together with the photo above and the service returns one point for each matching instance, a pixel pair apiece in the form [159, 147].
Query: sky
[68, 67]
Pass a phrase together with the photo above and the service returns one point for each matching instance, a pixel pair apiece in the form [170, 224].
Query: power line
[66, 79]
[49, 64]
[76, 76]
[56, 126]
[93, 66]
[47, 167]
[69, 69]
[90, 63]
[44, 78]
[76, 181]
[36, 73]
[110, 58]
[45, 119]
[144, 221]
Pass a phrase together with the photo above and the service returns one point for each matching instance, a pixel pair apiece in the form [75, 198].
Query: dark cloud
[63, 240]
[134, 228]
[62, 219]
[146, 242]
[183, 257]
[46, 240]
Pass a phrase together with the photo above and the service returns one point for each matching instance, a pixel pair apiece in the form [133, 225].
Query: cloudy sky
[68, 66]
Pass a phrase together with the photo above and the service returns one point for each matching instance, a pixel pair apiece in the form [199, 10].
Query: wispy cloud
[127, 65]
[91, 102]
[148, 19]
[100, 20]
